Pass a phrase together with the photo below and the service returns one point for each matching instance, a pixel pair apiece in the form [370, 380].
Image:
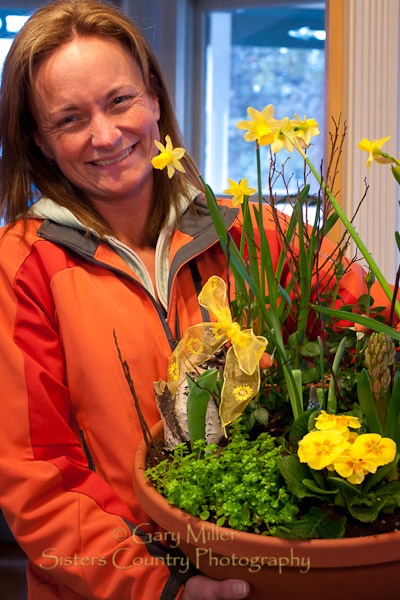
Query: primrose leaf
[317, 523]
[381, 472]
[365, 510]
[314, 487]
[294, 472]
[300, 426]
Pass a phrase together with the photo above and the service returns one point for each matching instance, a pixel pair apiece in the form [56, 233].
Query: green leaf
[197, 402]
[310, 349]
[311, 375]
[221, 521]
[396, 173]
[365, 511]
[332, 402]
[205, 515]
[261, 416]
[346, 488]
[305, 192]
[393, 410]
[330, 222]
[294, 340]
[300, 426]
[390, 493]
[364, 302]
[373, 324]
[285, 295]
[311, 485]
[294, 472]
[374, 478]
[397, 238]
[317, 523]
[367, 402]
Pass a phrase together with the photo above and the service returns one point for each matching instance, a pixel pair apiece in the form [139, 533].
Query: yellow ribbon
[200, 342]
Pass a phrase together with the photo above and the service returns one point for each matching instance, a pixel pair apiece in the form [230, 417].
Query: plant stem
[360, 244]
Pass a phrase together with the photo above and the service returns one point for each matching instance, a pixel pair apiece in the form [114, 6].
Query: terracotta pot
[278, 568]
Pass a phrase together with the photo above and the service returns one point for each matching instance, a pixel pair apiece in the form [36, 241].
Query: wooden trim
[334, 84]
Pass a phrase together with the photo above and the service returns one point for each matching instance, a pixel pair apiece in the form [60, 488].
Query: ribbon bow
[200, 342]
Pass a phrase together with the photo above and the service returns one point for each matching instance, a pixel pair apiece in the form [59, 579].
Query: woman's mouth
[104, 163]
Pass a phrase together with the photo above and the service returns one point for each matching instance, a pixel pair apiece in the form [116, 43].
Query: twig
[148, 438]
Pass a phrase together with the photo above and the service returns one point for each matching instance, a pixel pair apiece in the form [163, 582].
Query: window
[253, 57]
[11, 22]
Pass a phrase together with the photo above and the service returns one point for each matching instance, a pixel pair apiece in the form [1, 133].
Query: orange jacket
[69, 429]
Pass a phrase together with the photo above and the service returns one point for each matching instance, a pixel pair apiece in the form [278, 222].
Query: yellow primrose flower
[261, 127]
[169, 157]
[326, 421]
[239, 191]
[351, 438]
[373, 148]
[374, 448]
[353, 468]
[280, 139]
[305, 129]
[320, 448]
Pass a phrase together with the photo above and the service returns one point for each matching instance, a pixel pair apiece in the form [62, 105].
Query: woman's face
[95, 119]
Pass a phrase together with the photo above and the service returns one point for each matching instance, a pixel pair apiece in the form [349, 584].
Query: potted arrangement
[282, 413]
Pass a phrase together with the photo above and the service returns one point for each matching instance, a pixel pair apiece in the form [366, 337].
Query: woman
[110, 246]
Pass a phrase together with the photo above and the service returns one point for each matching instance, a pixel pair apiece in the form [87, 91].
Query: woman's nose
[104, 132]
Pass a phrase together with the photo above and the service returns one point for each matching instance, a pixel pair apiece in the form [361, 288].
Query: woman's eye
[67, 120]
[121, 99]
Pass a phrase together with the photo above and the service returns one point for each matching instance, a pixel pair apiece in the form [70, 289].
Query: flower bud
[369, 279]
[380, 354]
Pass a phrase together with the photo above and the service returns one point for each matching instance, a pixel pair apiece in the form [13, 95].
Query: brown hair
[24, 168]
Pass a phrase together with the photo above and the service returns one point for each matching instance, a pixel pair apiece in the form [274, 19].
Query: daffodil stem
[360, 244]
[261, 223]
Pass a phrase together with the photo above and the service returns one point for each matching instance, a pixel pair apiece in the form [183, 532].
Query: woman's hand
[200, 587]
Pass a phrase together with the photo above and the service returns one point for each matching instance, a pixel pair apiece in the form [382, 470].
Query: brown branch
[148, 438]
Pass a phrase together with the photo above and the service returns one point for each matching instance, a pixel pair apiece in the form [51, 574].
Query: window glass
[11, 22]
[255, 57]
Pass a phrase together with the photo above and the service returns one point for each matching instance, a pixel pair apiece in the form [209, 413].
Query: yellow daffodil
[374, 448]
[262, 126]
[305, 129]
[239, 191]
[169, 157]
[280, 139]
[353, 468]
[374, 149]
[320, 448]
[326, 421]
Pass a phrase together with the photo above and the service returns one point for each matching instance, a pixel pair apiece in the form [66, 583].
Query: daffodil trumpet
[200, 342]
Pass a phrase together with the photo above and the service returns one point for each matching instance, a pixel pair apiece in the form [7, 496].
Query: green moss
[239, 486]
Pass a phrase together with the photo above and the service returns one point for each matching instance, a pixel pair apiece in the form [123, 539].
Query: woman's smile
[112, 161]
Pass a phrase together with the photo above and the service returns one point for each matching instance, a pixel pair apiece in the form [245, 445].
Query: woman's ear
[154, 96]
[156, 106]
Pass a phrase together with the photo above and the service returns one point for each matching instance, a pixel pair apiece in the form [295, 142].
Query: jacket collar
[195, 233]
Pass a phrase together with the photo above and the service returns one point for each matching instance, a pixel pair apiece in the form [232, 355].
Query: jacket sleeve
[75, 530]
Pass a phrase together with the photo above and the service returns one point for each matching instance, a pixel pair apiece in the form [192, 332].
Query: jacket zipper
[88, 455]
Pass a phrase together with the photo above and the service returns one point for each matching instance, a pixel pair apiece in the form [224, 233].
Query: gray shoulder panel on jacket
[199, 225]
[74, 239]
